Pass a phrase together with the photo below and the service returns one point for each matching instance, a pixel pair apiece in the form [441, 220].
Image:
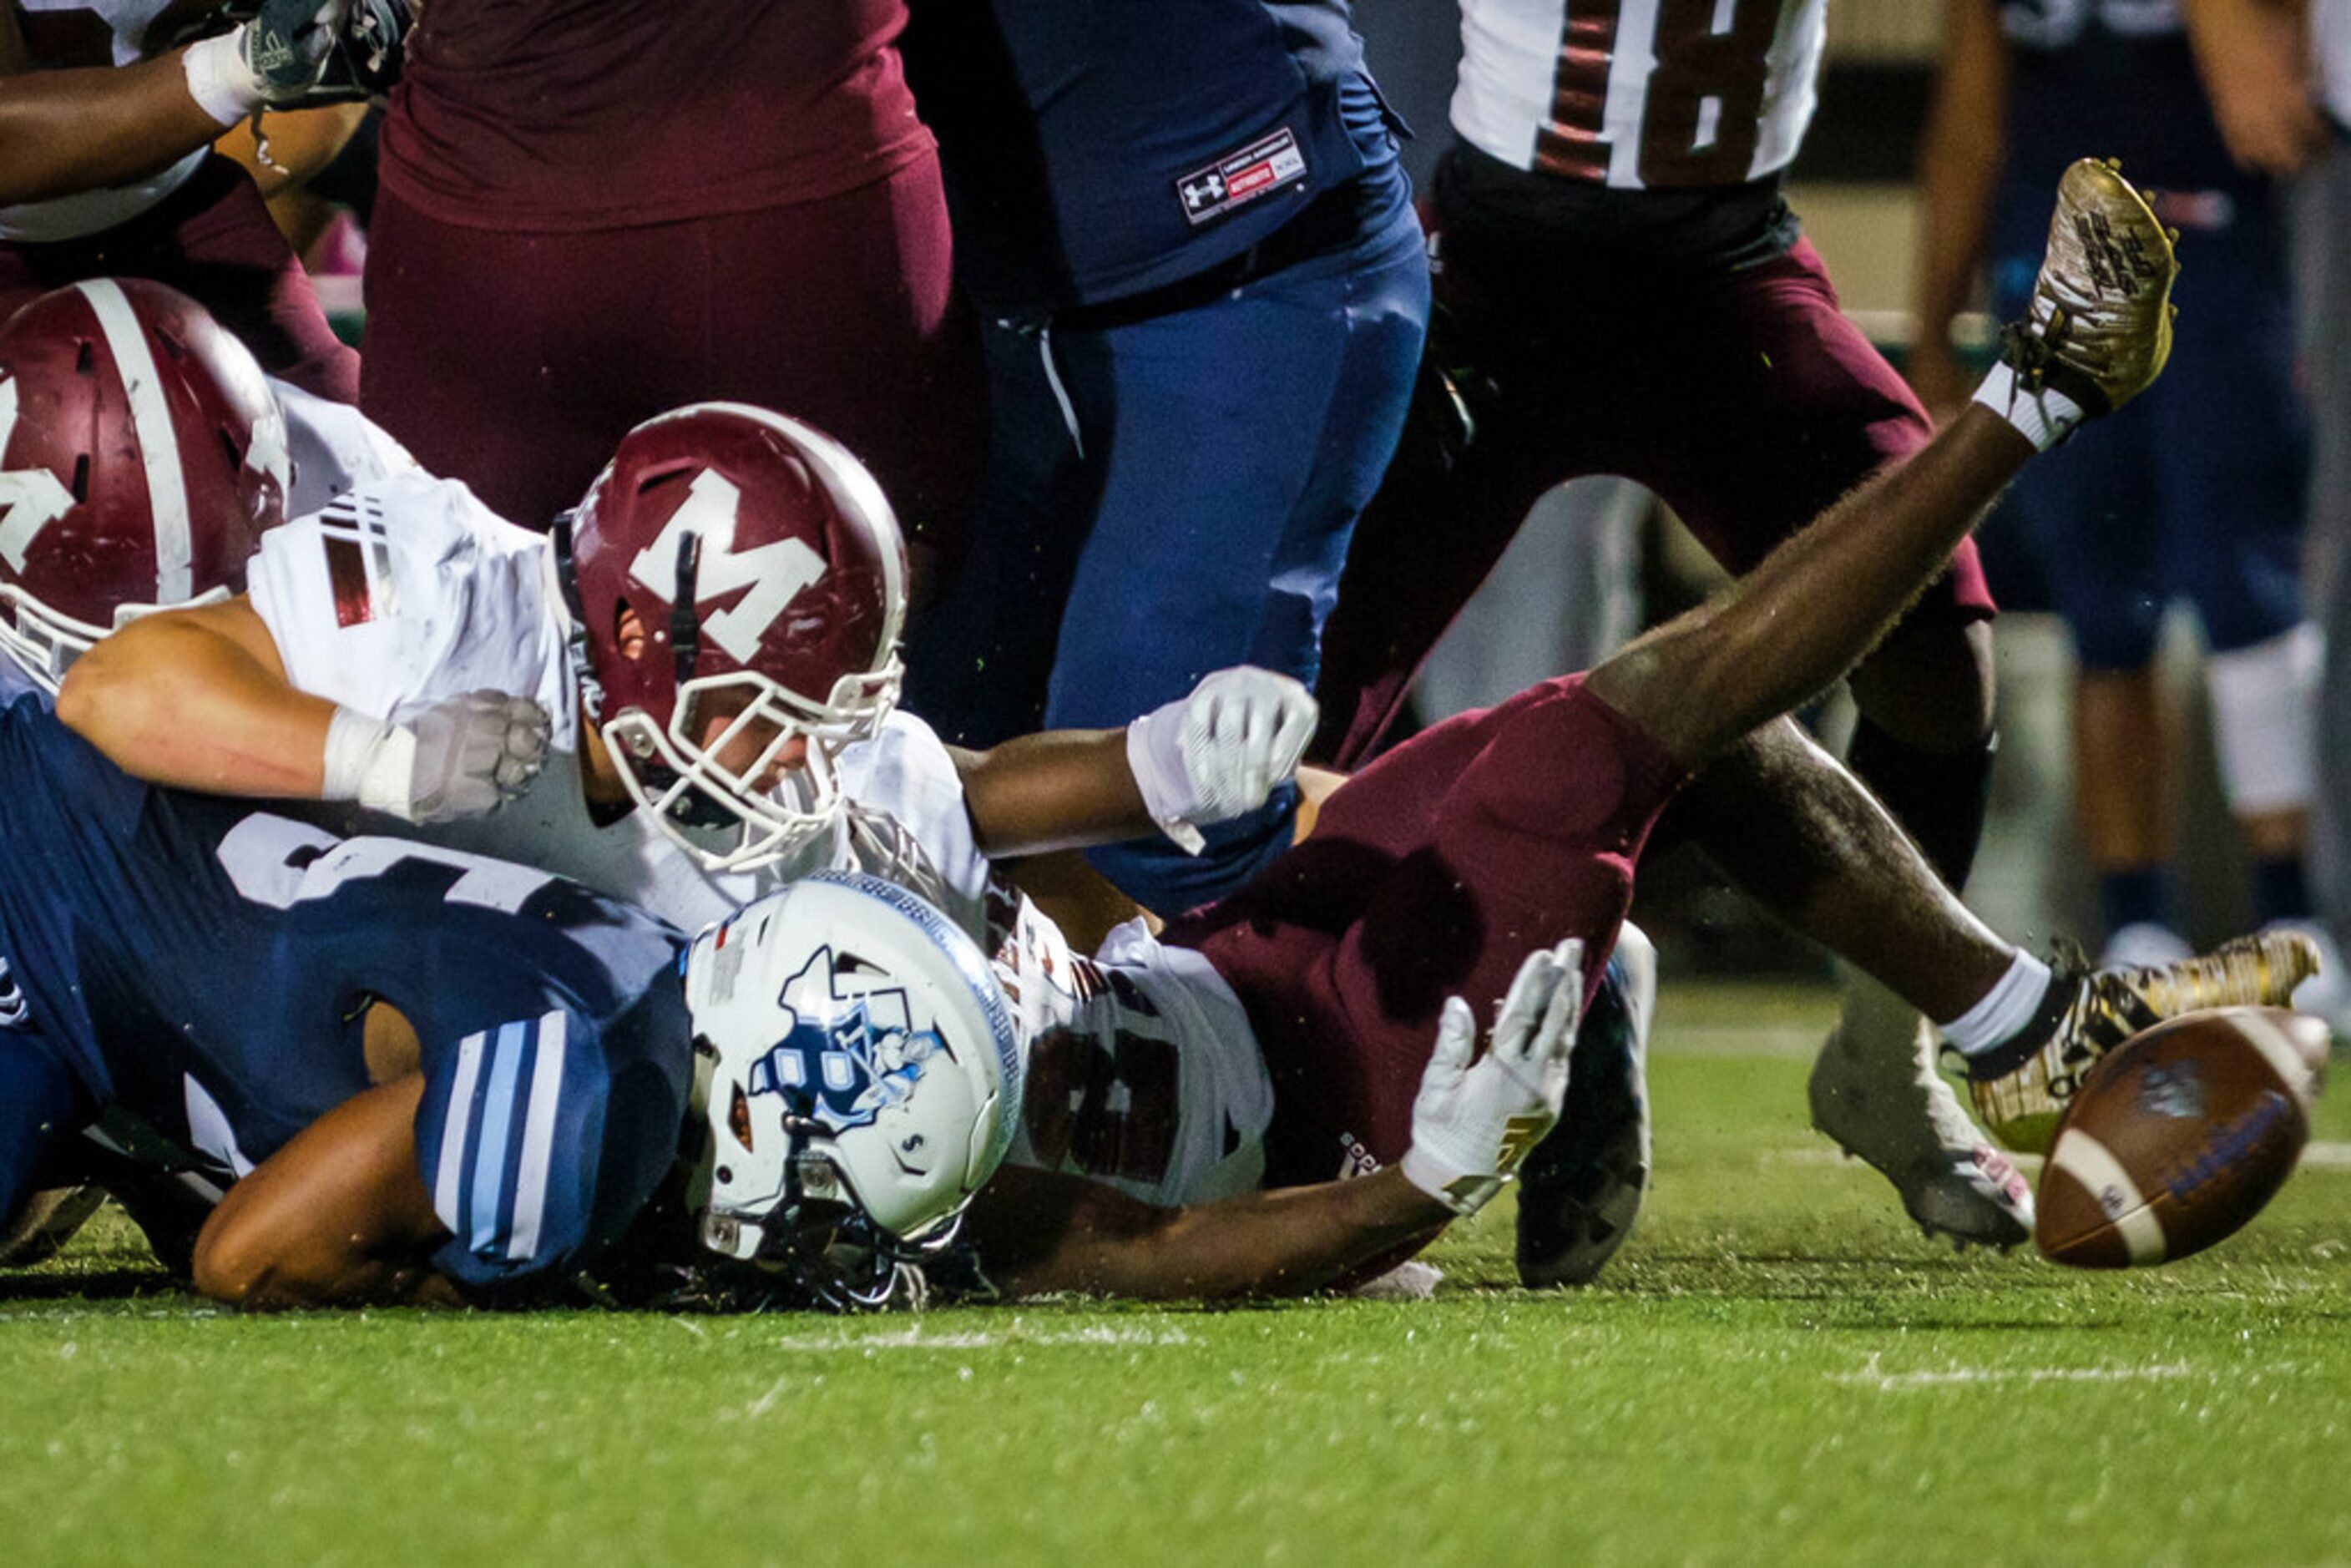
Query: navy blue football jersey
[203, 967]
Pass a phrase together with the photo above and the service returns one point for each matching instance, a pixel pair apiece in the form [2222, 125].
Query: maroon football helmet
[767, 580]
[141, 455]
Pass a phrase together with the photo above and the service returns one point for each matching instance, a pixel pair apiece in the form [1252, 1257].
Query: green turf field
[1777, 1369]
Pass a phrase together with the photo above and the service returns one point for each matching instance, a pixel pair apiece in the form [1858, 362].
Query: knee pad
[2265, 720]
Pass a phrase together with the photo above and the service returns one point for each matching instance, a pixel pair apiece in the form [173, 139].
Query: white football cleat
[1876, 1093]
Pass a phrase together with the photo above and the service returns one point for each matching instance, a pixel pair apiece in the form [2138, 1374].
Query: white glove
[297, 53]
[1474, 1122]
[464, 756]
[1217, 753]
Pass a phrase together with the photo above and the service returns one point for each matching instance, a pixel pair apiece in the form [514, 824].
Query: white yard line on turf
[1873, 1376]
[984, 1339]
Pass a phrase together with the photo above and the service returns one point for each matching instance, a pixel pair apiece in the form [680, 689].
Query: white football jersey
[88, 212]
[1143, 1070]
[335, 449]
[1640, 94]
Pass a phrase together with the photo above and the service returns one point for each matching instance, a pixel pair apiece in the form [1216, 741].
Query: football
[2179, 1136]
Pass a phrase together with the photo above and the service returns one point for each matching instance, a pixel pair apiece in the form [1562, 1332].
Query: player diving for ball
[1295, 1018]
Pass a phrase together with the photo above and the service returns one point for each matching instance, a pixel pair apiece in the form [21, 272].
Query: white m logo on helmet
[775, 573]
[31, 498]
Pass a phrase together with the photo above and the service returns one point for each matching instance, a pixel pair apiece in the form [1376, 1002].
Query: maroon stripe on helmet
[347, 575]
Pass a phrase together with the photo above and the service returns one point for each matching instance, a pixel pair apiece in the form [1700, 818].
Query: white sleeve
[405, 593]
[334, 448]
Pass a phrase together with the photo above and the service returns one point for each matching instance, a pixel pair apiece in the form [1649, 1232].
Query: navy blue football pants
[1170, 498]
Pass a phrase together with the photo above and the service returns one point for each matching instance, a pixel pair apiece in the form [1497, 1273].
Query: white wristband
[1464, 1194]
[368, 762]
[220, 82]
[1157, 760]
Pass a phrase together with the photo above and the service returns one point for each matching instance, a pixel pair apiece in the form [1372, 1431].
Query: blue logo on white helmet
[848, 1057]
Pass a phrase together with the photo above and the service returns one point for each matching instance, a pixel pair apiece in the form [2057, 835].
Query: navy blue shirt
[203, 969]
[1099, 149]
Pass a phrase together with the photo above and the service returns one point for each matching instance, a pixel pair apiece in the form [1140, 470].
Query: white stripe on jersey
[538, 1139]
[450, 1174]
[159, 442]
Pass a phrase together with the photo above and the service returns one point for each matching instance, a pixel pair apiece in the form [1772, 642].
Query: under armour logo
[1205, 192]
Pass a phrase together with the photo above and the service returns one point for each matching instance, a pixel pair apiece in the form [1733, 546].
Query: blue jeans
[1169, 498]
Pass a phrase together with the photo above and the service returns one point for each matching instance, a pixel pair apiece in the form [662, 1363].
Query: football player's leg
[1809, 843]
[1472, 462]
[2234, 460]
[1798, 409]
[1433, 872]
[41, 1108]
[1248, 435]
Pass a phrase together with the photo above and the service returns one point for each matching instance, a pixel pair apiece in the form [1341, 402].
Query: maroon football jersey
[549, 115]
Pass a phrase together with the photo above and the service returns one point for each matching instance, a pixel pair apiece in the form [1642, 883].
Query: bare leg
[1786, 822]
[1817, 604]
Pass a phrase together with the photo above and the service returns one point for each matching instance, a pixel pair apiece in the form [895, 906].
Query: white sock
[2007, 1007]
[2045, 418]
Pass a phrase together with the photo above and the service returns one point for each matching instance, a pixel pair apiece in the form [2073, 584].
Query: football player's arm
[198, 698]
[68, 131]
[339, 1216]
[1208, 757]
[1039, 1232]
[1472, 1123]
[1959, 161]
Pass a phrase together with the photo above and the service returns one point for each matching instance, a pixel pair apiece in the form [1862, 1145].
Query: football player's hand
[1474, 1121]
[298, 54]
[1220, 752]
[462, 757]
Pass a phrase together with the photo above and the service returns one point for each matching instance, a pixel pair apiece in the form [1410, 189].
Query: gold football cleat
[2022, 1105]
[2098, 328]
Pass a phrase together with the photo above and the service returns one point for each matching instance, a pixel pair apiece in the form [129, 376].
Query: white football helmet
[859, 1071]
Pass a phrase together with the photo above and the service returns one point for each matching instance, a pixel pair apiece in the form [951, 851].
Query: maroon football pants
[213, 240]
[1433, 872]
[1744, 399]
[516, 361]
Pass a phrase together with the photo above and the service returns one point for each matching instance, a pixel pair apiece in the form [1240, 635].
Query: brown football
[2179, 1136]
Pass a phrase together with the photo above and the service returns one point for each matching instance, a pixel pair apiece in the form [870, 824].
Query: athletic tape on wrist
[368, 762]
[223, 85]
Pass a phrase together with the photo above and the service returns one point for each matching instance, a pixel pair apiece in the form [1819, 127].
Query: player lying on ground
[408, 1073]
[1442, 866]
